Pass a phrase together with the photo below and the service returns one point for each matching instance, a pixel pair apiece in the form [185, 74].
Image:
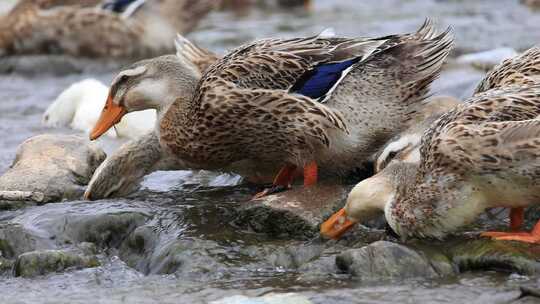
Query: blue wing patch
[319, 81]
[117, 6]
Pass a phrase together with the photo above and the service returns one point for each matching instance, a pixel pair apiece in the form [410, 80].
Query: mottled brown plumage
[247, 106]
[485, 153]
[243, 107]
[83, 28]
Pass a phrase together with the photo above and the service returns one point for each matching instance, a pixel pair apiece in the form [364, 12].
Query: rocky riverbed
[195, 237]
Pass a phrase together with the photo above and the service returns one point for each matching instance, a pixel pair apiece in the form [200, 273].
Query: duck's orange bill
[110, 116]
[336, 225]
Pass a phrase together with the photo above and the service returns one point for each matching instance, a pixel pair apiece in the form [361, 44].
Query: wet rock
[105, 230]
[16, 240]
[35, 263]
[138, 247]
[271, 298]
[294, 213]
[87, 226]
[50, 168]
[292, 257]
[529, 291]
[385, 260]
[6, 265]
[486, 60]
[486, 254]
[105, 224]
[318, 271]
[188, 257]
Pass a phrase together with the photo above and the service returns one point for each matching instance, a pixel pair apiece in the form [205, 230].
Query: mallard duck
[483, 154]
[80, 105]
[119, 29]
[300, 102]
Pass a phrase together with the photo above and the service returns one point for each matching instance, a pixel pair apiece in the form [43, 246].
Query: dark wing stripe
[117, 6]
[316, 83]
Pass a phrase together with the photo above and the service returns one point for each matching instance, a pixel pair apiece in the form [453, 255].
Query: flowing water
[194, 207]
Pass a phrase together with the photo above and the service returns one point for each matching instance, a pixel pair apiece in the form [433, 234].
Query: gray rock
[50, 168]
[84, 226]
[35, 263]
[16, 240]
[6, 266]
[294, 213]
[385, 260]
[195, 259]
[292, 257]
[152, 249]
[486, 254]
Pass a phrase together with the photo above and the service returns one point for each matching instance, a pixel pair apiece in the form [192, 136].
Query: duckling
[300, 102]
[483, 154]
[79, 107]
[128, 29]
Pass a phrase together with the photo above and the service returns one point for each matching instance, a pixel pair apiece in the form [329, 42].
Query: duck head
[148, 84]
[371, 198]
[365, 202]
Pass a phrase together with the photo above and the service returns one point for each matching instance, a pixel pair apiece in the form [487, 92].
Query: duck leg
[286, 176]
[516, 221]
[310, 174]
[282, 181]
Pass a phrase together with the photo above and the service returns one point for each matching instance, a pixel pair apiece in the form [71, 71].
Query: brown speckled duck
[301, 102]
[483, 154]
[92, 28]
[405, 146]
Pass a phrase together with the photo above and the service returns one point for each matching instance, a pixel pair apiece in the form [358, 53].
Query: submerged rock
[35, 263]
[294, 213]
[50, 168]
[386, 260]
[486, 254]
[527, 291]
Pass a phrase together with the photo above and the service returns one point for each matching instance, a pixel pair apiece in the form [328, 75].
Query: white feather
[327, 33]
[132, 8]
[80, 105]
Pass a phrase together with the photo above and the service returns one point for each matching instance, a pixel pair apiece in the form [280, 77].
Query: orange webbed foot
[285, 178]
[526, 237]
[282, 181]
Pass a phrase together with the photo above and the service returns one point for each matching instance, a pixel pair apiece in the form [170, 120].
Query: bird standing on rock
[309, 103]
[483, 154]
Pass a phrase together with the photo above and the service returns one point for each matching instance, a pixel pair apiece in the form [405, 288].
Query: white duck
[80, 105]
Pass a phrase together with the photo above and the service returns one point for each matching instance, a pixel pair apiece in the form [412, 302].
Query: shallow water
[195, 205]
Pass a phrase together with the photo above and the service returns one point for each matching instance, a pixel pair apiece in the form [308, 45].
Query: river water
[192, 206]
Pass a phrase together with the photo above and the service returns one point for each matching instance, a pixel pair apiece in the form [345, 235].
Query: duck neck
[178, 98]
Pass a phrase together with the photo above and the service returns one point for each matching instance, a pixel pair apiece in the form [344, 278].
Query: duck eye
[392, 154]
